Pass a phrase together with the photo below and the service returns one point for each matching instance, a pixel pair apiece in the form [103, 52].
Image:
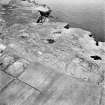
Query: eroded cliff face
[56, 60]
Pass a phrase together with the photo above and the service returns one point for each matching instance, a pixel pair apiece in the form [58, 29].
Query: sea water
[86, 14]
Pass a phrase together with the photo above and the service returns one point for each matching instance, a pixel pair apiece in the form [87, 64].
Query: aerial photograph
[52, 52]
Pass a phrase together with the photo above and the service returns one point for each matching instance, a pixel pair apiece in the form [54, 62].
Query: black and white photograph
[52, 52]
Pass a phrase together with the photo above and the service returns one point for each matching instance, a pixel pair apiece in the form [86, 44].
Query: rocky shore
[50, 63]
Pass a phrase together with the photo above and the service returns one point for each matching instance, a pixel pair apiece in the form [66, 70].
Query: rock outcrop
[72, 52]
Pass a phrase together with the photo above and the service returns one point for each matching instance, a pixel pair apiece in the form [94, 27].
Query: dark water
[86, 14]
